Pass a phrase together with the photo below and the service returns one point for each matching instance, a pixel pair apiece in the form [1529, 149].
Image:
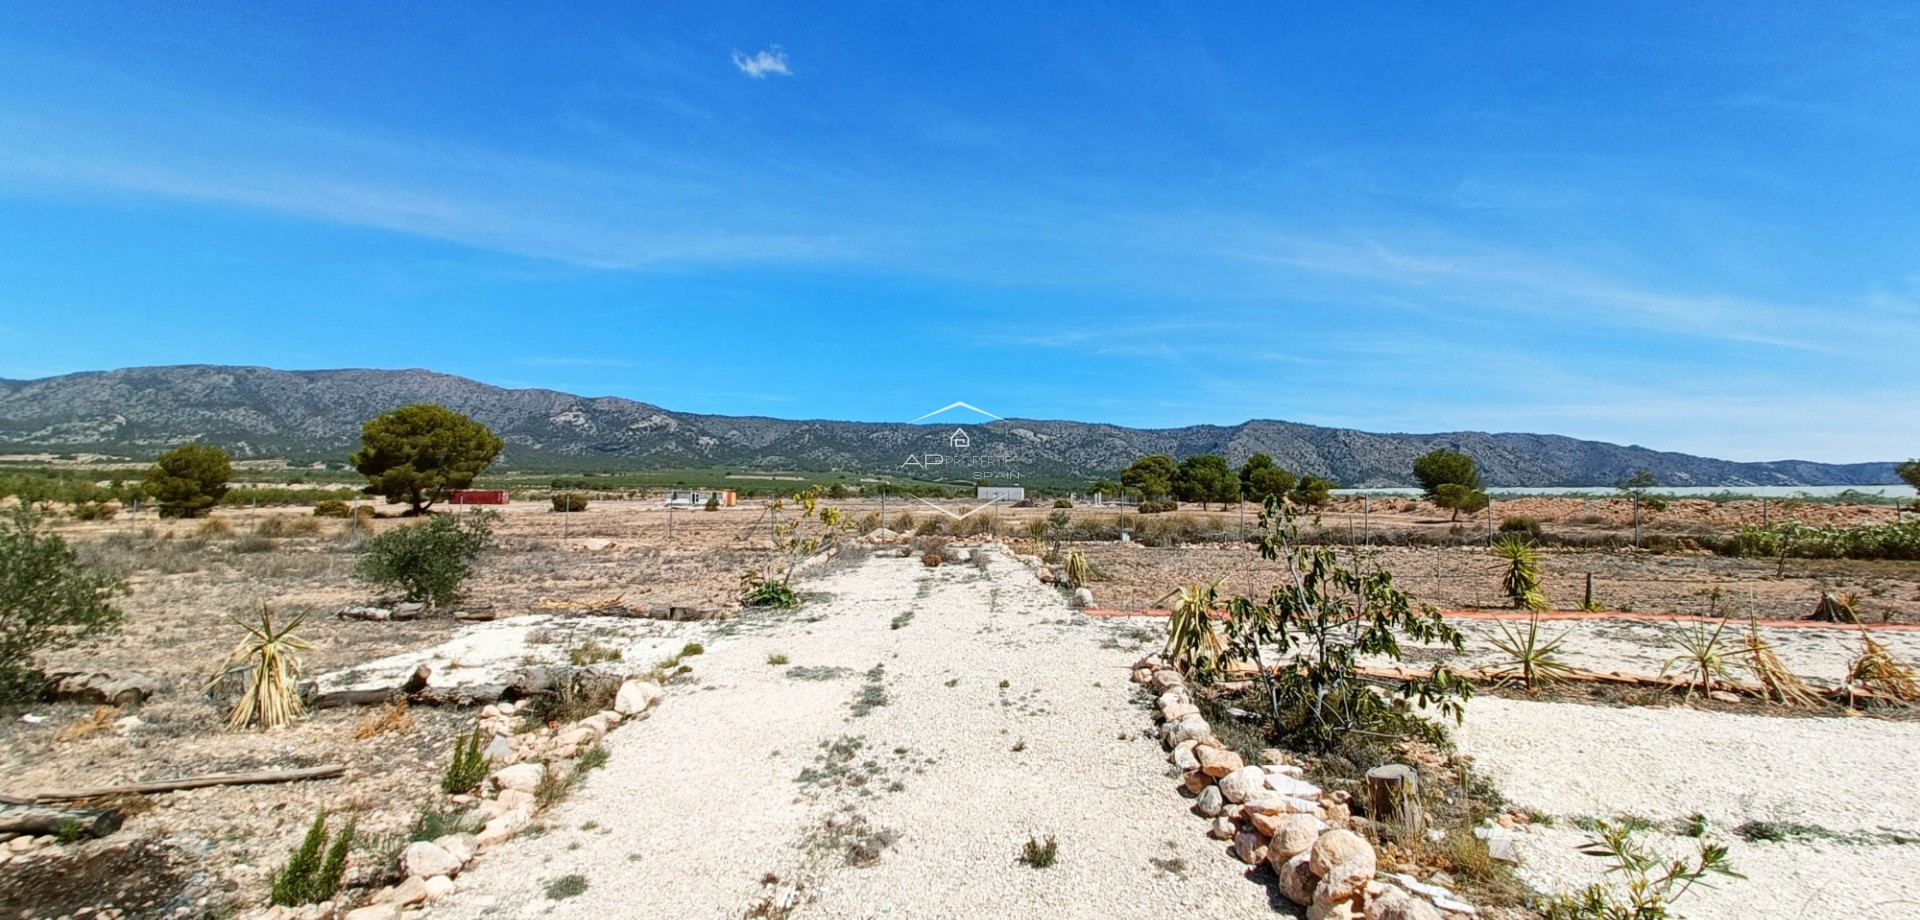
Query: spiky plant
[1532, 660]
[272, 695]
[468, 767]
[1703, 656]
[1521, 580]
[313, 870]
[1877, 670]
[1193, 645]
[1782, 685]
[1078, 570]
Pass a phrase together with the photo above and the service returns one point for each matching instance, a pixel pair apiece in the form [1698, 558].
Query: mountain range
[309, 416]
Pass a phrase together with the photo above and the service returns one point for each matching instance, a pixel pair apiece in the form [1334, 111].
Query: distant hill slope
[316, 415]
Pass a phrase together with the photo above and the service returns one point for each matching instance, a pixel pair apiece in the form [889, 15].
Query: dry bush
[1876, 670]
[213, 527]
[98, 721]
[392, 717]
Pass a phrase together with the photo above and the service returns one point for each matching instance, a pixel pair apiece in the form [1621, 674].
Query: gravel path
[994, 714]
[1850, 778]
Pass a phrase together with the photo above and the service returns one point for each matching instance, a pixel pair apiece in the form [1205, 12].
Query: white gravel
[484, 653]
[1852, 776]
[700, 804]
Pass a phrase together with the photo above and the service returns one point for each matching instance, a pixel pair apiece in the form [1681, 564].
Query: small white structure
[1000, 493]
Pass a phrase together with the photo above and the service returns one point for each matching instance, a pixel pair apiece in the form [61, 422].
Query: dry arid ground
[718, 763]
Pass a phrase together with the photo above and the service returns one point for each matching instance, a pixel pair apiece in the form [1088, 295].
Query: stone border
[1273, 816]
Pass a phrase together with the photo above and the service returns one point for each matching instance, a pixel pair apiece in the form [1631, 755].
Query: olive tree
[417, 454]
[188, 480]
[49, 599]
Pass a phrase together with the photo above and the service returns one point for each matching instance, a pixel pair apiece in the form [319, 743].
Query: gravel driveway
[894, 768]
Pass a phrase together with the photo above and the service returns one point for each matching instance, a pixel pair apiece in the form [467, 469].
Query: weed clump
[1039, 855]
[313, 871]
[468, 767]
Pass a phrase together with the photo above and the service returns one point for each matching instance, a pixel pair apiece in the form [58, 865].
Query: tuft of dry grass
[1876, 670]
[1783, 686]
[393, 717]
[98, 721]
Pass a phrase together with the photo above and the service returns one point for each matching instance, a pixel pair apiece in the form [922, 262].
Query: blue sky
[1687, 226]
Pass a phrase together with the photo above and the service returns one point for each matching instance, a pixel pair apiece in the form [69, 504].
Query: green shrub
[332, 508]
[49, 600]
[757, 590]
[189, 479]
[468, 767]
[569, 501]
[430, 561]
[309, 877]
[713, 503]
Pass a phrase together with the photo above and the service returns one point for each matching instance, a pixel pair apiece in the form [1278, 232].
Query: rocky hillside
[258, 412]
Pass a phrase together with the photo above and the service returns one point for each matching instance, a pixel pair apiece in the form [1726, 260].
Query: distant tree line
[1207, 478]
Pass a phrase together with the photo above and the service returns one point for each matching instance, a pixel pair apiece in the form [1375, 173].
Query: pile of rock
[1082, 596]
[522, 761]
[1274, 816]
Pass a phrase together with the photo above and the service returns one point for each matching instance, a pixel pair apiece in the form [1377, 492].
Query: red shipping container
[478, 497]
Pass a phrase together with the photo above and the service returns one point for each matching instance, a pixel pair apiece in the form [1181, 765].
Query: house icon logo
[959, 439]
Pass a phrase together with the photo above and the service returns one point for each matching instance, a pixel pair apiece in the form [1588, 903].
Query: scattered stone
[1242, 784]
[523, 777]
[362, 612]
[1336, 847]
[438, 887]
[1220, 829]
[411, 610]
[1210, 802]
[636, 696]
[426, 860]
[1457, 907]
[1083, 597]
[502, 828]
[459, 846]
[1217, 762]
[499, 750]
[1336, 910]
[375, 912]
[406, 894]
[1176, 711]
[1191, 728]
[1197, 782]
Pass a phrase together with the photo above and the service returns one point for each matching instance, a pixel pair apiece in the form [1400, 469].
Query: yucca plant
[1532, 660]
[1193, 645]
[1521, 581]
[1078, 570]
[272, 694]
[1702, 654]
[1876, 670]
[1782, 685]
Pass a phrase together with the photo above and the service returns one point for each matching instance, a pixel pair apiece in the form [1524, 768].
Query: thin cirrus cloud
[761, 63]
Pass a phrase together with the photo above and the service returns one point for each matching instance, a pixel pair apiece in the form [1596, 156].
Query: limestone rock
[1210, 802]
[1083, 597]
[636, 696]
[1296, 877]
[1346, 881]
[517, 800]
[523, 777]
[1250, 846]
[1172, 697]
[407, 893]
[1294, 835]
[1336, 910]
[1191, 728]
[1336, 847]
[438, 887]
[499, 750]
[1220, 829]
[1217, 762]
[426, 860]
[1242, 784]
[1197, 782]
[1183, 756]
[459, 846]
[375, 912]
[1395, 904]
[1174, 712]
[502, 829]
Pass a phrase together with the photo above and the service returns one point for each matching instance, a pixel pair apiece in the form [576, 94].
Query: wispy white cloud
[763, 62]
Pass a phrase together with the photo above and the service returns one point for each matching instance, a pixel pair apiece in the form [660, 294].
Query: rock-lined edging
[521, 762]
[1274, 816]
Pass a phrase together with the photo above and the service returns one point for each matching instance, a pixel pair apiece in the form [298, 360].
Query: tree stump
[1393, 795]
